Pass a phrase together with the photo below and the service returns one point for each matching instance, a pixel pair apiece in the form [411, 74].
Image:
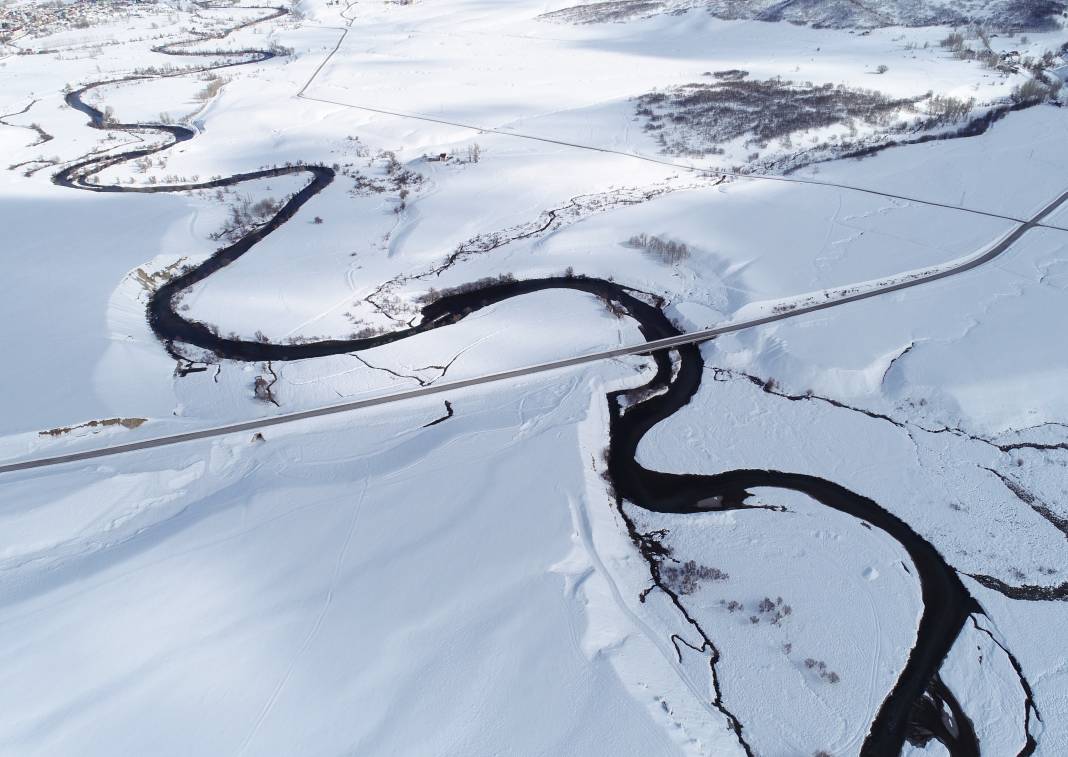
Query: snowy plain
[366, 584]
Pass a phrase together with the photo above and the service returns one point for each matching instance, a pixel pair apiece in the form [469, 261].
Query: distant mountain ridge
[1027, 15]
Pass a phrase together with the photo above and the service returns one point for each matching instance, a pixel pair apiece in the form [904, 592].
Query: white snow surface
[360, 584]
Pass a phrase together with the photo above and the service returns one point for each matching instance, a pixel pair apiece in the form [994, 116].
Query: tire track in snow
[335, 578]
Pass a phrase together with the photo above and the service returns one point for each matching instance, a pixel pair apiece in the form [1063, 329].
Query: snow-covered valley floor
[837, 528]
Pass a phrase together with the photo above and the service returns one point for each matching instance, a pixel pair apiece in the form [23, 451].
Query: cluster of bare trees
[398, 178]
[820, 668]
[1034, 91]
[667, 250]
[213, 83]
[730, 74]
[957, 44]
[246, 215]
[774, 610]
[695, 119]
[946, 110]
[474, 153]
[973, 43]
[433, 295]
[604, 11]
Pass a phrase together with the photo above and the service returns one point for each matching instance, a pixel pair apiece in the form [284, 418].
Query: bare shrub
[261, 389]
[819, 667]
[615, 309]
[686, 578]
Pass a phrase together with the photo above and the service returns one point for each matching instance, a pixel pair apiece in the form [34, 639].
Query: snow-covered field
[456, 578]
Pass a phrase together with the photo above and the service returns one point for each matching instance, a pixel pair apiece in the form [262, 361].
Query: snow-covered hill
[836, 14]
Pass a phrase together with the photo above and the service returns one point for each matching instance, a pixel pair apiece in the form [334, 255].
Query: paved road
[690, 338]
[996, 249]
